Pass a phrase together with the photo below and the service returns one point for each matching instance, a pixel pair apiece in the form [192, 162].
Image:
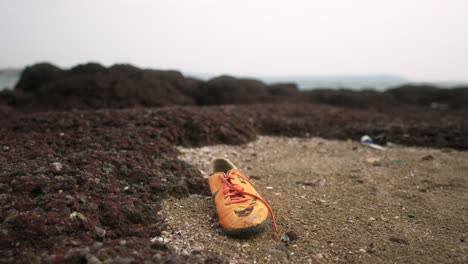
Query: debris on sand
[366, 140]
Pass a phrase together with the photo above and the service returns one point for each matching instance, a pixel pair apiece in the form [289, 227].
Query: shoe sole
[247, 232]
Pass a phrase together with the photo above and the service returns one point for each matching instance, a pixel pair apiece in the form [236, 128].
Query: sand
[345, 202]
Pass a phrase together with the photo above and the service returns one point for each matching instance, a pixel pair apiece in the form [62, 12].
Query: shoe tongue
[237, 177]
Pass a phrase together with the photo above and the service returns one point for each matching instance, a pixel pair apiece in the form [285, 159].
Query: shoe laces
[237, 195]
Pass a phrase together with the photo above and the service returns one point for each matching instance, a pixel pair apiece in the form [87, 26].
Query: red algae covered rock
[70, 180]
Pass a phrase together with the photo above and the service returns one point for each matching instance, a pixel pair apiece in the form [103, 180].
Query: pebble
[362, 250]
[292, 235]
[11, 215]
[126, 260]
[100, 232]
[427, 158]
[269, 188]
[97, 245]
[373, 160]
[285, 239]
[57, 166]
[76, 215]
[92, 260]
[283, 249]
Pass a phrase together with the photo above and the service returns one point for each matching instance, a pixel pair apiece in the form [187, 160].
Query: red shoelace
[237, 195]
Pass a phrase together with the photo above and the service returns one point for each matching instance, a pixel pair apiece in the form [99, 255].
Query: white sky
[423, 40]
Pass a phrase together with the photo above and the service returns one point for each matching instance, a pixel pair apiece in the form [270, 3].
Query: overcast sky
[423, 40]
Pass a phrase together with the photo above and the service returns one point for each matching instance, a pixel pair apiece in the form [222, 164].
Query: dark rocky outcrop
[429, 95]
[33, 77]
[230, 90]
[92, 86]
[283, 89]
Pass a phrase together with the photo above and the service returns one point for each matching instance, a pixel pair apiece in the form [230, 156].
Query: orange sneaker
[241, 210]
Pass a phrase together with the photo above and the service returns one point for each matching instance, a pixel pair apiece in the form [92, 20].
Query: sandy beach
[341, 202]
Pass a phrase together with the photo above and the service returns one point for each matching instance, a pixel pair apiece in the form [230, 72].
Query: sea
[8, 80]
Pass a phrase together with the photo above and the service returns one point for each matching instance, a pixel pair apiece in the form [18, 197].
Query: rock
[100, 232]
[76, 215]
[283, 249]
[398, 240]
[292, 235]
[283, 89]
[373, 160]
[88, 68]
[427, 158]
[57, 166]
[285, 239]
[91, 259]
[34, 77]
[230, 90]
[10, 215]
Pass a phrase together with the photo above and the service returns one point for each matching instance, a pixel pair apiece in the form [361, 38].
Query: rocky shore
[92, 86]
[87, 155]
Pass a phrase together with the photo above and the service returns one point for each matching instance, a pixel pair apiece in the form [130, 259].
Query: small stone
[62, 134]
[11, 215]
[90, 259]
[269, 188]
[76, 215]
[373, 160]
[371, 218]
[126, 260]
[97, 245]
[157, 257]
[361, 250]
[427, 158]
[398, 240]
[283, 249]
[122, 242]
[285, 239]
[100, 232]
[318, 256]
[57, 166]
[292, 235]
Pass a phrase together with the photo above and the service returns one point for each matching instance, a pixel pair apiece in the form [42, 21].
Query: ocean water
[375, 82]
[8, 81]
